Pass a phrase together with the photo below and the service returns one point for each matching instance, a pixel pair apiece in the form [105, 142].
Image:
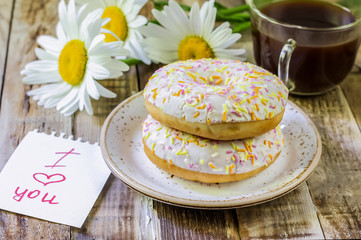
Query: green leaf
[353, 5]
[237, 17]
[131, 61]
[160, 4]
[238, 9]
[241, 27]
[219, 6]
[154, 21]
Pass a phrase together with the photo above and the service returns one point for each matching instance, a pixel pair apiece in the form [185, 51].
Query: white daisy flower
[72, 61]
[124, 23]
[181, 37]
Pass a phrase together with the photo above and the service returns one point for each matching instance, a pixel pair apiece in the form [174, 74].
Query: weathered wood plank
[351, 88]
[184, 223]
[5, 24]
[358, 59]
[119, 213]
[292, 216]
[19, 114]
[180, 223]
[335, 186]
[88, 127]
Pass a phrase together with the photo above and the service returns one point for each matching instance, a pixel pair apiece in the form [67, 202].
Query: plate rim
[207, 204]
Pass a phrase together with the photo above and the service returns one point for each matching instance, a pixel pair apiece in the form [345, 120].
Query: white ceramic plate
[122, 149]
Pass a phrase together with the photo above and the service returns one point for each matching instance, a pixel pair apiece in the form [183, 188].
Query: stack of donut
[213, 120]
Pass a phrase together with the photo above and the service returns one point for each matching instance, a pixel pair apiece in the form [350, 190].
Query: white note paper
[53, 178]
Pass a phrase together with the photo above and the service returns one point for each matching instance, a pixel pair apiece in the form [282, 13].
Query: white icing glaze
[214, 91]
[209, 156]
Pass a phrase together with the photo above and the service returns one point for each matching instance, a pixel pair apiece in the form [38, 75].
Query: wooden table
[328, 205]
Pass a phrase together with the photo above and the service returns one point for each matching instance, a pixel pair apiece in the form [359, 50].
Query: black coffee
[313, 69]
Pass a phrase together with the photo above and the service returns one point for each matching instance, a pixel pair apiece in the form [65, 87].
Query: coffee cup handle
[284, 63]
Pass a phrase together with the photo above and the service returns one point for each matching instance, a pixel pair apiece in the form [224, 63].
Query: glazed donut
[211, 161]
[216, 99]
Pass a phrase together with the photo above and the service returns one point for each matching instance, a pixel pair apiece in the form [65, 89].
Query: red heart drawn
[40, 177]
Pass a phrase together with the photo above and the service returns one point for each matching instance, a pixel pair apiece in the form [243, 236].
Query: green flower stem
[241, 15]
[238, 9]
[238, 17]
[154, 21]
[131, 61]
[240, 27]
[160, 4]
[219, 6]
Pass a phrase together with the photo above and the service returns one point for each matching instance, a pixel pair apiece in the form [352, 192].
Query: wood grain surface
[19, 114]
[5, 26]
[326, 206]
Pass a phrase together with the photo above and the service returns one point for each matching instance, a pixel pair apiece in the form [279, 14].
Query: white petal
[133, 45]
[220, 35]
[62, 13]
[180, 18]
[91, 26]
[167, 23]
[60, 33]
[72, 31]
[97, 42]
[115, 69]
[50, 43]
[42, 77]
[98, 71]
[138, 22]
[230, 53]
[99, 59]
[81, 13]
[161, 44]
[208, 18]
[195, 20]
[70, 109]
[49, 95]
[106, 31]
[50, 103]
[163, 57]
[90, 86]
[81, 96]
[87, 104]
[105, 92]
[44, 55]
[56, 90]
[39, 92]
[111, 49]
[42, 66]
[230, 41]
[153, 30]
[69, 99]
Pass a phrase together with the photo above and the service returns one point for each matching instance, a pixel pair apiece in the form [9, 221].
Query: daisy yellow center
[117, 24]
[72, 62]
[194, 48]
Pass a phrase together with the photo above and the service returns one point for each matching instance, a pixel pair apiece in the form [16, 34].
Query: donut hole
[215, 80]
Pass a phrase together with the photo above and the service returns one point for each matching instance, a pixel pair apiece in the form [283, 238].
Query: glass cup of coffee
[318, 39]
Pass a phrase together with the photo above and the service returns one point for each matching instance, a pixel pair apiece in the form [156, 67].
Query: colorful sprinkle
[147, 136]
[202, 107]
[211, 165]
[182, 152]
